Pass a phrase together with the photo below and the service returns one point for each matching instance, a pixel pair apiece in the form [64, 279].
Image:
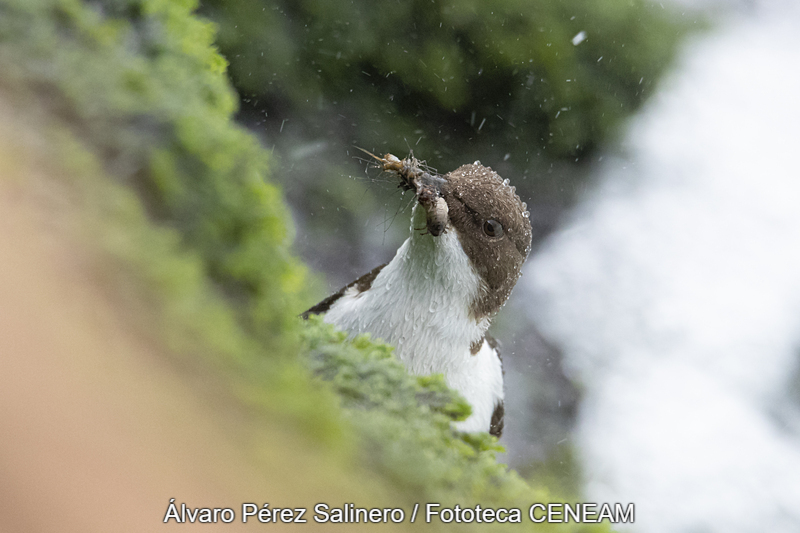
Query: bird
[434, 301]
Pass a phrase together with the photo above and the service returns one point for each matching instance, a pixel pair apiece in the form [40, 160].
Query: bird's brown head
[492, 223]
[494, 229]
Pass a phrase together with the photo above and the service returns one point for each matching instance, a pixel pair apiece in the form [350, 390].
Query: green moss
[139, 110]
[141, 84]
[388, 406]
[403, 424]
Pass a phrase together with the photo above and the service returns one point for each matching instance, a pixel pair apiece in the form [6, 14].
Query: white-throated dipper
[470, 234]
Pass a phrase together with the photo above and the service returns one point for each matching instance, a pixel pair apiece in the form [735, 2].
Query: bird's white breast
[420, 303]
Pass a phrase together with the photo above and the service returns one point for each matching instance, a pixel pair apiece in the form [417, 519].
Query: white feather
[420, 304]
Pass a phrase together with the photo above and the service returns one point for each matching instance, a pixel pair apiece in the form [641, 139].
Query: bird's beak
[429, 189]
[435, 208]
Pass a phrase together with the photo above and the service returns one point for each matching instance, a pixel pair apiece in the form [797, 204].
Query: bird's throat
[421, 302]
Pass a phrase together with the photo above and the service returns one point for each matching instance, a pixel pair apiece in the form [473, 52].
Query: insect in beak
[416, 176]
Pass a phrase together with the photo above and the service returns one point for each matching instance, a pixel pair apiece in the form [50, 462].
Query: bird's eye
[493, 228]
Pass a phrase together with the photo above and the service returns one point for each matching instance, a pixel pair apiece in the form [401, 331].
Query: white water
[675, 293]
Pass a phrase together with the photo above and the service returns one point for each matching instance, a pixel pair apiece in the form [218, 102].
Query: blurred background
[652, 344]
[673, 290]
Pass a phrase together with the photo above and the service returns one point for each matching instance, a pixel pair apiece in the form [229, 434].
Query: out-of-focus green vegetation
[553, 78]
[143, 94]
[134, 113]
[140, 82]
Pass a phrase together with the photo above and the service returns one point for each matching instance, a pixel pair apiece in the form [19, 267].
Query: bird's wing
[362, 284]
[497, 423]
